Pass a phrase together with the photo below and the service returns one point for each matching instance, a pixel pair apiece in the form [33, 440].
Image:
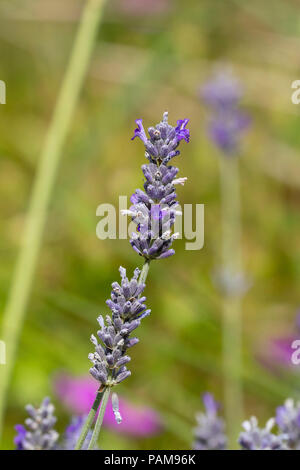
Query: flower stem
[14, 314]
[89, 421]
[144, 272]
[99, 421]
[232, 321]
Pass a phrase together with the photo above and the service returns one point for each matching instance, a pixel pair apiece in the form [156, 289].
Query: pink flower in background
[281, 350]
[278, 351]
[78, 394]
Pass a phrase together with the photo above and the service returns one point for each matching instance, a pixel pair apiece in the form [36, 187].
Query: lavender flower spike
[128, 309]
[154, 210]
[209, 433]
[222, 94]
[255, 438]
[288, 421]
[38, 432]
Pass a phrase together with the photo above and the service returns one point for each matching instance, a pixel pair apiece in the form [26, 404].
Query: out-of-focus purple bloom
[255, 438]
[288, 421]
[209, 433]
[73, 432]
[279, 351]
[225, 130]
[38, 432]
[223, 91]
[231, 284]
[78, 394]
[137, 421]
[227, 123]
[20, 437]
[210, 404]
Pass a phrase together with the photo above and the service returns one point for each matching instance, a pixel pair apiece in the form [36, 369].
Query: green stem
[232, 315]
[89, 421]
[95, 435]
[14, 314]
[144, 272]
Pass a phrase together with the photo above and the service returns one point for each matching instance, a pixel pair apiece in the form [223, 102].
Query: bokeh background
[151, 56]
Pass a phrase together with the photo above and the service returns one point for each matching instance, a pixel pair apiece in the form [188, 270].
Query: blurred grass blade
[232, 321]
[14, 313]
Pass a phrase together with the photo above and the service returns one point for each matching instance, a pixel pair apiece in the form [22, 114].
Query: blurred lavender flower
[255, 438]
[231, 284]
[78, 394]
[223, 94]
[154, 211]
[209, 433]
[288, 421]
[72, 434]
[38, 432]
[128, 309]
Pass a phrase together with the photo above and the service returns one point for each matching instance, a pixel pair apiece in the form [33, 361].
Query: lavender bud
[255, 438]
[288, 421]
[115, 407]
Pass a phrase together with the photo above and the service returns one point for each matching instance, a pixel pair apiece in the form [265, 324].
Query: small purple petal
[18, 440]
[140, 131]
[181, 131]
[210, 403]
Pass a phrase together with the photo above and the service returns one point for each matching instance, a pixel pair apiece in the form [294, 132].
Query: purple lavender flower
[154, 213]
[20, 437]
[38, 432]
[209, 433]
[72, 434]
[223, 91]
[222, 94]
[128, 309]
[154, 210]
[255, 438]
[288, 421]
[161, 146]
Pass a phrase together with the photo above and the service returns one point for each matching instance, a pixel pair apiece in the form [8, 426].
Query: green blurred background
[149, 57]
